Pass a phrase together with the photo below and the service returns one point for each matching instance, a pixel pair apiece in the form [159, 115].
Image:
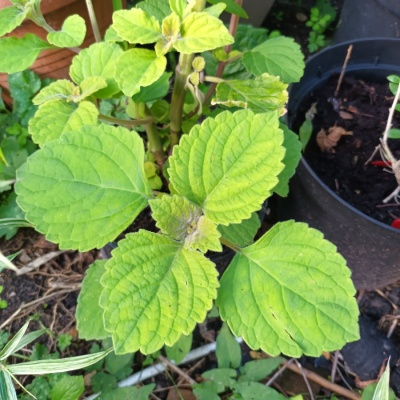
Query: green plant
[218, 163]
[3, 303]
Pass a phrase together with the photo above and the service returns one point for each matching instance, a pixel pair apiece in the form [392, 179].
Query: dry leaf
[345, 115]
[327, 142]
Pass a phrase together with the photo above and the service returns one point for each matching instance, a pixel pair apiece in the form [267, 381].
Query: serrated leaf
[170, 31]
[263, 94]
[89, 86]
[155, 290]
[223, 377]
[229, 165]
[258, 370]
[52, 119]
[256, 391]
[68, 388]
[178, 351]
[231, 7]
[85, 188]
[279, 56]
[89, 314]
[10, 18]
[178, 6]
[17, 54]
[58, 90]
[157, 8]
[200, 32]
[97, 60]
[265, 293]
[111, 35]
[155, 91]
[204, 236]
[241, 234]
[136, 26]
[292, 157]
[228, 351]
[394, 133]
[138, 68]
[72, 33]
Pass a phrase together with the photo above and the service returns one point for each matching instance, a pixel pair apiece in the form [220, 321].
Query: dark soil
[344, 168]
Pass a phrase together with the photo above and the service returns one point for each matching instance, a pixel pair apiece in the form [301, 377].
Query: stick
[176, 369]
[346, 60]
[305, 379]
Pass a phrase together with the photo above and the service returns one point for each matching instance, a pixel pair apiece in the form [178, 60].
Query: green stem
[229, 244]
[154, 140]
[93, 20]
[117, 5]
[125, 122]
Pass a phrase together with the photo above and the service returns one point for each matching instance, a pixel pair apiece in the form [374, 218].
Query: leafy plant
[89, 181]
[3, 303]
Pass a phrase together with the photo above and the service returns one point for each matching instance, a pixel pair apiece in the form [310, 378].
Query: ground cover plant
[174, 111]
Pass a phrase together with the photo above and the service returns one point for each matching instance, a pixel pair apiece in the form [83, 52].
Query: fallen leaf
[345, 115]
[327, 142]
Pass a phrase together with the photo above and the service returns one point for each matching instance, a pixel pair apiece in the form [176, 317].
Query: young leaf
[72, 33]
[58, 90]
[137, 68]
[89, 86]
[10, 18]
[136, 26]
[231, 7]
[305, 132]
[382, 389]
[394, 133]
[155, 290]
[17, 54]
[157, 8]
[241, 234]
[263, 94]
[52, 119]
[89, 314]
[97, 60]
[10, 347]
[200, 32]
[170, 32]
[228, 351]
[223, 377]
[259, 369]
[265, 293]
[228, 181]
[68, 388]
[206, 390]
[178, 351]
[178, 6]
[279, 56]
[85, 188]
[215, 10]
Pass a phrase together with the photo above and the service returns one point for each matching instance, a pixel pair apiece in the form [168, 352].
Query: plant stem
[93, 20]
[154, 140]
[229, 244]
[117, 5]
[125, 122]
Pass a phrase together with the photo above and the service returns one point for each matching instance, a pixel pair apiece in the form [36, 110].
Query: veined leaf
[241, 234]
[85, 188]
[279, 56]
[10, 18]
[228, 351]
[170, 32]
[136, 26]
[138, 68]
[97, 60]
[178, 351]
[258, 370]
[17, 54]
[200, 32]
[58, 90]
[68, 388]
[216, 10]
[178, 6]
[290, 292]
[263, 94]
[29, 338]
[89, 314]
[52, 119]
[155, 290]
[155, 91]
[7, 390]
[72, 33]
[231, 7]
[229, 165]
[383, 389]
[10, 347]
[90, 86]
[158, 8]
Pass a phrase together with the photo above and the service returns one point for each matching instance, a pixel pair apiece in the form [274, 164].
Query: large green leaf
[52, 119]
[229, 165]
[97, 60]
[155, 290]
[61, 89]
[157, 8]
[89, 314]
[263, 94]
[279, 56]
[200, 32]
[10, 18]
[85, 188]
[68, 388]
[290, 292]
[136, 26]
[241, 234]
[72, 33]
[17, 54]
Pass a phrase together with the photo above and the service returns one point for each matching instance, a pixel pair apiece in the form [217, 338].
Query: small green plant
[64, 341]
[3, 303]
[202, 113]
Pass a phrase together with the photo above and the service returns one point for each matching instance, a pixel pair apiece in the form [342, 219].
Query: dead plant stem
[346, 60]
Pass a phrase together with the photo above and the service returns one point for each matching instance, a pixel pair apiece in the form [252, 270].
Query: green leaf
[394, 133]
[241, 234]
[231, 7]
[97, 60]
[228, 351]
[382, 389]
[178, 6]
[216, 10]
[223, 377]
[29, 338]
[265, 293]
[256, 391]
[85, 188]
[200, 32]
[155, 91]
[137, 68]
[206, 391]
[129, 393]
[258, 370]
[68, 388]
[178, 351]
[89, 86]
[305, 132]
[279, 56]
[292, 157]
[157, 8]
[52, 119]
[119, 365]
[229, 165]
[10, 18]
[58, 90]
[263, 94]
[72, 33]
[17, 54]
[136, 26]
[89, 314]
[170, 32]
[7, 387]
[155, 290]
[10, 347]
[11, 216]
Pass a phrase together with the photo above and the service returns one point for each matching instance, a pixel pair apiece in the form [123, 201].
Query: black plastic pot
[371, 248]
